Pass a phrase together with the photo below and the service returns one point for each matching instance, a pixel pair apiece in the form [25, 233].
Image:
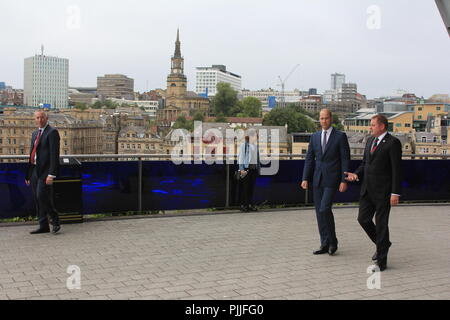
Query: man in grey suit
[327, 159]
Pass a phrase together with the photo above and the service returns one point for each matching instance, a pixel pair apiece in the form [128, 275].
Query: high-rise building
[2, 85]
[337, 79]
[115, 86]
[208, 78]
[46, 81]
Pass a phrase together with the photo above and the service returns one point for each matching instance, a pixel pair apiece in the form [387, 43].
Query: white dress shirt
[329, 130]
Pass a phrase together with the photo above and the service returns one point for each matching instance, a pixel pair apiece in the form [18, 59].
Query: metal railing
[222, 159]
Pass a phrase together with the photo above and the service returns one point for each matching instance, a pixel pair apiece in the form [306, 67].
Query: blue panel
[282, 188]
[15, 196]
[167, 186]
[426, 180]
[110, 186]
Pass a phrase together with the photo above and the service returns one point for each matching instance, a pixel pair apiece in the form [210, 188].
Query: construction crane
[282, 84]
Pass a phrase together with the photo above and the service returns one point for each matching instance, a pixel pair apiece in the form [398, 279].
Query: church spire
[177, 46]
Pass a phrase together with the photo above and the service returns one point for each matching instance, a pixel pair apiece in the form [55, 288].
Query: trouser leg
[365, 216]
[321, 223]
[327, 214]
[382, 229]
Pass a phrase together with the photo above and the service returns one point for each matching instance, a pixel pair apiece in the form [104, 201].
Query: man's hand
[304, 185]
[49, 181]
[343, 187]
[27, 182]
[351, 176]
[394, 200]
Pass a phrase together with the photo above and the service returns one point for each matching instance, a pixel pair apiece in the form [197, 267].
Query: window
[424, 139]
[434, 139]
[408, 125]
[398, 125]
[419, 117]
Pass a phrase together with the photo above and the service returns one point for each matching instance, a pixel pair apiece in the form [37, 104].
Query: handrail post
[140, 185]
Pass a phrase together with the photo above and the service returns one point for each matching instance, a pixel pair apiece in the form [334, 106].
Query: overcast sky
[406, 46]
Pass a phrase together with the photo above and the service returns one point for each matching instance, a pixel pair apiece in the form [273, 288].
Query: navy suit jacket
[327, 169]
[47, 153]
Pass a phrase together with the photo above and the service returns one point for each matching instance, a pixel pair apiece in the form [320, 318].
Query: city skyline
[268, 44]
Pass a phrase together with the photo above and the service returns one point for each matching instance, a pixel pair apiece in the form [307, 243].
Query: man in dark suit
[328, 158]
[381, 186]
[43, 168]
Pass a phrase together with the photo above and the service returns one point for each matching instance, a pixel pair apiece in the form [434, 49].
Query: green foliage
[337, 123]
[221, 118]
[110, 105]
[97, 105]
[296, 121]
[198, 116]
[182, 123]
[80, 105]
[225, 99]
[250, 107]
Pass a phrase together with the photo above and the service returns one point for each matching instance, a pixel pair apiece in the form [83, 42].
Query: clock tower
[177, 81]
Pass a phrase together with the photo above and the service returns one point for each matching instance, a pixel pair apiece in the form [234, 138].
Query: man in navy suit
[327, 159]
[43, 168]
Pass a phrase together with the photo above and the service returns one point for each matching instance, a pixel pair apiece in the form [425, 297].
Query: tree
[296, 121]
[198, 116]
[80, 105]
[225, 99]
[221, 118]
[97, 105]
[337, 123]
[251, 107]
[182, 123]
[110, 105]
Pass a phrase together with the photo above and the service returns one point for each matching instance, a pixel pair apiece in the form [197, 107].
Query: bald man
[43, 169]
[327, 159]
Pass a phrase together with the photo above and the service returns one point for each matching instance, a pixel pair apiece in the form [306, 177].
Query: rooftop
[261, 255]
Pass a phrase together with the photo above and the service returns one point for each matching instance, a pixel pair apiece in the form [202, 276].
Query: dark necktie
[374, 146]
[324, 142]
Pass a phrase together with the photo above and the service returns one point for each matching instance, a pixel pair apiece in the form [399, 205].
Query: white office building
[337, 79]
[46, 81]
[207, 79]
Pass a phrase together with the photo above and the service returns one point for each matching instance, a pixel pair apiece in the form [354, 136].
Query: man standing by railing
[381, 185]
[327, 159]
[43, 168]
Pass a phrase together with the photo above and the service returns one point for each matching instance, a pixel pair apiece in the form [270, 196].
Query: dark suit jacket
[381, 171]
[329, 167]
[47, 153]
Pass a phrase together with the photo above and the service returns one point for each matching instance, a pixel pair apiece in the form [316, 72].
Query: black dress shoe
[332, 250]
[381, 264]
[374, 257]
[40, 230]
[244, 208]
[322, 250]
[252, 208]
[56, 228]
